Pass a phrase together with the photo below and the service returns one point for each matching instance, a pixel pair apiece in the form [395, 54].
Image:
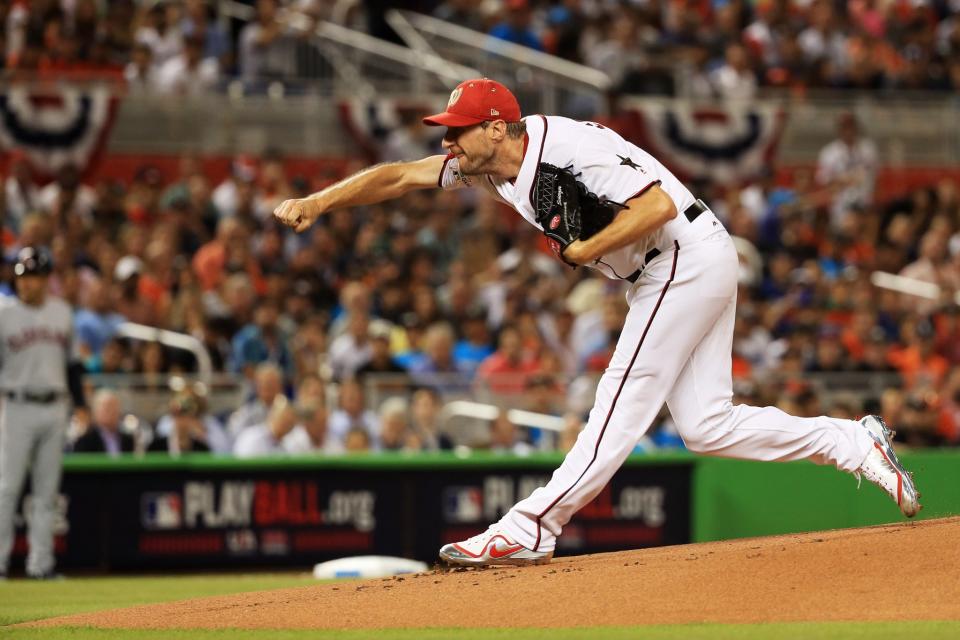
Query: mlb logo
[462, 504]
[161, 510]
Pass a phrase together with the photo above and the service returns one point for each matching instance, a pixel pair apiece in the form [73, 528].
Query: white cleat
[491, 548]
[883, 469]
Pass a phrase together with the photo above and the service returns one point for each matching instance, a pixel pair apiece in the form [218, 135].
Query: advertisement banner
[197, 518]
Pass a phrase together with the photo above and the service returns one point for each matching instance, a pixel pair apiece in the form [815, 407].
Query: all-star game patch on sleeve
[450, 175]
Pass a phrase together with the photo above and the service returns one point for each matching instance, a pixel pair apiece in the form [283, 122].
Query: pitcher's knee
[701, 436]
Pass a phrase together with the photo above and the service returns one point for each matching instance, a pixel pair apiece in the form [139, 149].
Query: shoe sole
[494, 562]
[909, 490]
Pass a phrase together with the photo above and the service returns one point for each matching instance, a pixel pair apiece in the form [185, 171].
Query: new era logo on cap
[476, 101]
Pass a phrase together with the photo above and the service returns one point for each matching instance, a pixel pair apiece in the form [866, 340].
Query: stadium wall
[201, 512]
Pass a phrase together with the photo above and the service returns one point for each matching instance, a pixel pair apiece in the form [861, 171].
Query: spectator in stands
[504, 437]
[357, 441]
[312, 435]
[353, 414]
[475, 345]
[355, 298]
[238, 186]
[265, 49]
[228, 253]
[544, 396]
[95, 322]
[353, 349]
[916, 360]
[734, 79]
[928, 267]
[847, 166]
[114, 358]
[506, 370]
[309, 387]
[395, 432]
[105, 433]
[381, 360]
[262, 341]
[198, 23]
[516, 25]
[918, 424]
[68, 200]
[273, 187]
[462, 13]
[22, 196]
[188, 72]
[190, 421]
[425, 424]
[572, 426]
[621, 53]
[140, 73]
[268, 385]
[161, 32]
[437, 368]
[309, 348]
[267, 437]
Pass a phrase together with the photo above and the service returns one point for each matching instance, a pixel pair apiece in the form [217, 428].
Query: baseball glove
[566, 209]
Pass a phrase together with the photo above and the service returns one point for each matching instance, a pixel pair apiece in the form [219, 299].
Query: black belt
[36, 397]
[691, 213]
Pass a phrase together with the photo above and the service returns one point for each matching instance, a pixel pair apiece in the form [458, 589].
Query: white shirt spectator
[341, 422]
[346, 355]
[257, 441]
[246, 416]
[21, 199]
[732, 84]
[217, 438]
[298, 442]
[164, 46]
[83, 204]
[177, 76]
[855, 165]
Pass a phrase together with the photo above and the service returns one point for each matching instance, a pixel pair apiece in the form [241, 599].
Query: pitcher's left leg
[670, 310]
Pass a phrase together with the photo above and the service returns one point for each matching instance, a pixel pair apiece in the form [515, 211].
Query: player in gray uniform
[35, 346]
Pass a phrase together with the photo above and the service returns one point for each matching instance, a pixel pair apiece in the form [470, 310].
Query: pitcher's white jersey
[608, 165]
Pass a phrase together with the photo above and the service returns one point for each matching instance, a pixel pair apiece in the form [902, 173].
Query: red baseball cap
[475, 101]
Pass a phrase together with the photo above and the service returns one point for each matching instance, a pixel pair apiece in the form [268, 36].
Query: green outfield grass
[21, 601]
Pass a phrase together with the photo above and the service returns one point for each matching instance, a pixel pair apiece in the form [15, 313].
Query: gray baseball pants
[31, 439]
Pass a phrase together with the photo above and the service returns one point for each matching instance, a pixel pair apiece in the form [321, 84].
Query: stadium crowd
[352, 336]
[729, 47]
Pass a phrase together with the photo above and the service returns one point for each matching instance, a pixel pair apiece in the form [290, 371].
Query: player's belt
[35, 397]
[691, 213]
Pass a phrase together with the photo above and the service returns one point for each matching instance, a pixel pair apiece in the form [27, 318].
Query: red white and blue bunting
[56, 127]
[724, 143]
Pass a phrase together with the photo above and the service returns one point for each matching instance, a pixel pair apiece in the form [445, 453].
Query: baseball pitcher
[35, 345]
[609, 205]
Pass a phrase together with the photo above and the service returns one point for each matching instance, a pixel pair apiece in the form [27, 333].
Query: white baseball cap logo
[454, 96]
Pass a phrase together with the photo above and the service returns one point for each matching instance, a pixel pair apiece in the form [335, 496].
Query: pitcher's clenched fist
[299, 213]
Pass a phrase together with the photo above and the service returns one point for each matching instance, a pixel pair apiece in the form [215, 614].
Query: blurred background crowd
[358, 334]
[731, 47]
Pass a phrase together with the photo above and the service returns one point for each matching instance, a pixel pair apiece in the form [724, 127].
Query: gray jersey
[35, 343]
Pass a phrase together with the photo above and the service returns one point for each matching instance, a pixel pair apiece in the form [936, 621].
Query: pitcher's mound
[892, 572]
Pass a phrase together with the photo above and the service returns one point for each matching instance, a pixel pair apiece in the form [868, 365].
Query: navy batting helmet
[32, 261]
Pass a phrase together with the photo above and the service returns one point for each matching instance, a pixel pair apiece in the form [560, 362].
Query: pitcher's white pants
[676, 347]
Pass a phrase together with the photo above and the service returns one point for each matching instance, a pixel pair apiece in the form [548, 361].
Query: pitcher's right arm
[371, 185]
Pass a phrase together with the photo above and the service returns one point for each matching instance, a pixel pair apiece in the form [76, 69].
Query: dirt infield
[893, 572]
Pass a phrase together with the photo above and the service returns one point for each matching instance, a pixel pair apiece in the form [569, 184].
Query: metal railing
[542, 83]
[354, 63]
